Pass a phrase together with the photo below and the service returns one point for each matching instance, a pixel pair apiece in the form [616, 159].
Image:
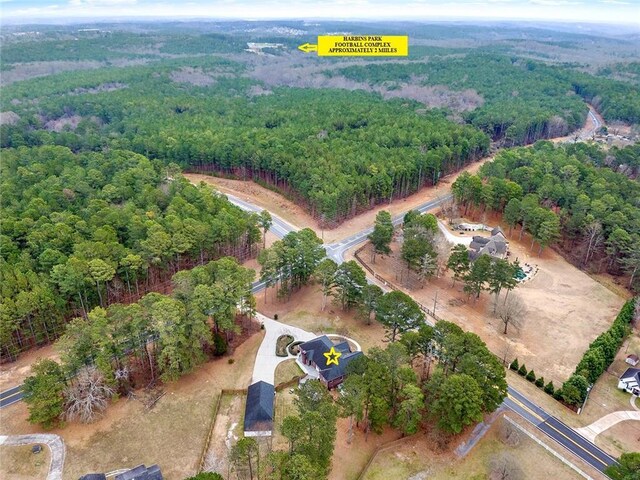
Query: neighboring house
[630, 381]
[495, 246]
[258, 413]
[632, 359]
[312, 354]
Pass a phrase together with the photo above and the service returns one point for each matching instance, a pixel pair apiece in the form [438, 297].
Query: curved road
[515, 401]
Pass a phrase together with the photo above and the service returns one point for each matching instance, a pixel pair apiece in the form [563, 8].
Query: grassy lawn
[286, 370]
[417, 457]
[19, 463]
[284, 407]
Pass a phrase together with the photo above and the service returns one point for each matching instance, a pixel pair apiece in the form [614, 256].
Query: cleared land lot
[298, 216]
[566, 310]
[417, 457]
[172, 434]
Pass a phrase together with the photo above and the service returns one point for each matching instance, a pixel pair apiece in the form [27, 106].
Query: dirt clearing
[559, 323]
[172, 434]
[14, 373]
[299, 217]
[418, 459]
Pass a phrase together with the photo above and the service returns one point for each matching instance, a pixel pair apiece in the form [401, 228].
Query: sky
[592, 11]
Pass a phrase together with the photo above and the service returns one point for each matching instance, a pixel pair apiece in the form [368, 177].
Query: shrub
[219, 345]
[574, 390]
[557, 394]
[231, 361]
[548, 388]
[540, 382]
[522, 370]
[514, 365]
[531, 376]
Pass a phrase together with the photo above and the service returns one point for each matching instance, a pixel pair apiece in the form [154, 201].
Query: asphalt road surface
[10, 396]
[515, 401]
[558, 431]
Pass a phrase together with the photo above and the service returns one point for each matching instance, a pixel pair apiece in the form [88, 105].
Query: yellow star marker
[332, 356]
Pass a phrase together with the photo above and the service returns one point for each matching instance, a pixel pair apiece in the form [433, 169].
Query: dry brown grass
[20, 463]
[418, 456]
[304, 310]
[171, 435]
[559, 323]
[286, 370]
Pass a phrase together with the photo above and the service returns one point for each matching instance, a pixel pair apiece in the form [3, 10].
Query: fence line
[382, 448]
[207, 442]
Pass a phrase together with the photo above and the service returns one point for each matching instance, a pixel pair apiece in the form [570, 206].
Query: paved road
[515, 401]
[558, 431]
[10, 396]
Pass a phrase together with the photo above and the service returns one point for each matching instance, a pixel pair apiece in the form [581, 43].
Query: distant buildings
[258, 413]
[312, 355]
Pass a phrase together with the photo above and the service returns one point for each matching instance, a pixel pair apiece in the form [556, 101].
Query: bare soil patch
[418, 459]
[226, 432]
[20, 463]
[13, 374]
[299, 217]
[172, 434]
[560, 322]
[303, 310]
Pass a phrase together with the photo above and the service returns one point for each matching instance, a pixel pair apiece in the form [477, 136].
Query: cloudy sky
[597, 11]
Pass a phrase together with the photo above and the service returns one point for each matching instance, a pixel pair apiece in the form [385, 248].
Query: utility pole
[435, 302]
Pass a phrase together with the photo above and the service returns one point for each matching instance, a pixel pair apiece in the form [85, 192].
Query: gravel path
[54, 442]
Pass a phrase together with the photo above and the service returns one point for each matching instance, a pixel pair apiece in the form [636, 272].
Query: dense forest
[561, 193]
[81, 230]
[524, 100]
[338, 152]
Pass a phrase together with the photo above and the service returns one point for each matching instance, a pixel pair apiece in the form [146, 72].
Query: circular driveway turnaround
[266, 360]
[54, 442]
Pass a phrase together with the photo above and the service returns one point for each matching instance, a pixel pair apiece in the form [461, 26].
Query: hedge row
[598, 357]
[595, 361]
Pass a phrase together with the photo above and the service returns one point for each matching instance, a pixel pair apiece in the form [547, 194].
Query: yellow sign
[332, 356]
[359, 46]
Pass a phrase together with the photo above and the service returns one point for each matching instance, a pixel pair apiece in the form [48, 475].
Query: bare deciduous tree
[511, 312]
[442, 248]
[509, 434]
[593, 239]
[87, 396]
[504, 466]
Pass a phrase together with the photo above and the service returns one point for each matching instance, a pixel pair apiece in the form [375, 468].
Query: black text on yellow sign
[359, 46]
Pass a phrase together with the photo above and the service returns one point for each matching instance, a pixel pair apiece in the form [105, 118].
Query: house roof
[258, 414]
[315, 349]
[141, 473]
[496, 231]
[631, 374]
[93, 476]
[337, 371]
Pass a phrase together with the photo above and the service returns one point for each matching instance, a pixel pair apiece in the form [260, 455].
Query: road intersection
[515, 401]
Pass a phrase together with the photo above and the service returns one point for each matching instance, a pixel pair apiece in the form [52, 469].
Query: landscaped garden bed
[281, 345]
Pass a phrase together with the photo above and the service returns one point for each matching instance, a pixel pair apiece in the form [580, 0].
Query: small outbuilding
[258, 413]
[632, 359]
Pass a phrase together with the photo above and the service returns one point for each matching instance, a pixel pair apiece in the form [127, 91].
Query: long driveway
[266, 359]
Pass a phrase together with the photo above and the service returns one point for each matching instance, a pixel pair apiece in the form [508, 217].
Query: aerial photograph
[332, 240]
